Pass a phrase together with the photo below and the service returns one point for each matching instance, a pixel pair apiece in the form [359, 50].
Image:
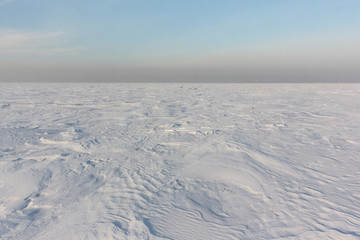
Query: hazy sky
[180, 40]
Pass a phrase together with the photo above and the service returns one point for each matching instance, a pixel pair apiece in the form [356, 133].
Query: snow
[179, 161]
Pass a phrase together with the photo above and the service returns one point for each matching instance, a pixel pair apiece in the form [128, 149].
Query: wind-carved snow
[179, 161]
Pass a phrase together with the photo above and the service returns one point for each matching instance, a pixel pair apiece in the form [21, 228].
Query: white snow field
[179, 161]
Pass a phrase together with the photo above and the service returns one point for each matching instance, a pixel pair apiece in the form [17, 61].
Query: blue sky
[249, 35]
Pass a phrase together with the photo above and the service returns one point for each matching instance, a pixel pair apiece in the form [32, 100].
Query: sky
[180, 41]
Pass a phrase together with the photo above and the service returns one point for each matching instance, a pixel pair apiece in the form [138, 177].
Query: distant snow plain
[179, 161]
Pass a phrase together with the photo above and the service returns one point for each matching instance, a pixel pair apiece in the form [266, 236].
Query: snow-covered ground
[179, 161]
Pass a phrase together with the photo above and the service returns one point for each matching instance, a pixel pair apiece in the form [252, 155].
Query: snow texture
[179, 161]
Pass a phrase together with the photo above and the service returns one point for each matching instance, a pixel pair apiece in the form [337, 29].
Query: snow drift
[179, 161]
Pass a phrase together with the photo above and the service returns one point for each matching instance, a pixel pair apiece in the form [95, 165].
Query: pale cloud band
[10, 38]
[34, 43]
[3, 2]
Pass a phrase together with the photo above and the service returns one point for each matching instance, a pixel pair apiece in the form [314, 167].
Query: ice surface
[179, 161]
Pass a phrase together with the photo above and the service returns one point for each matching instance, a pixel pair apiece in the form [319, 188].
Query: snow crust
[179, 161]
